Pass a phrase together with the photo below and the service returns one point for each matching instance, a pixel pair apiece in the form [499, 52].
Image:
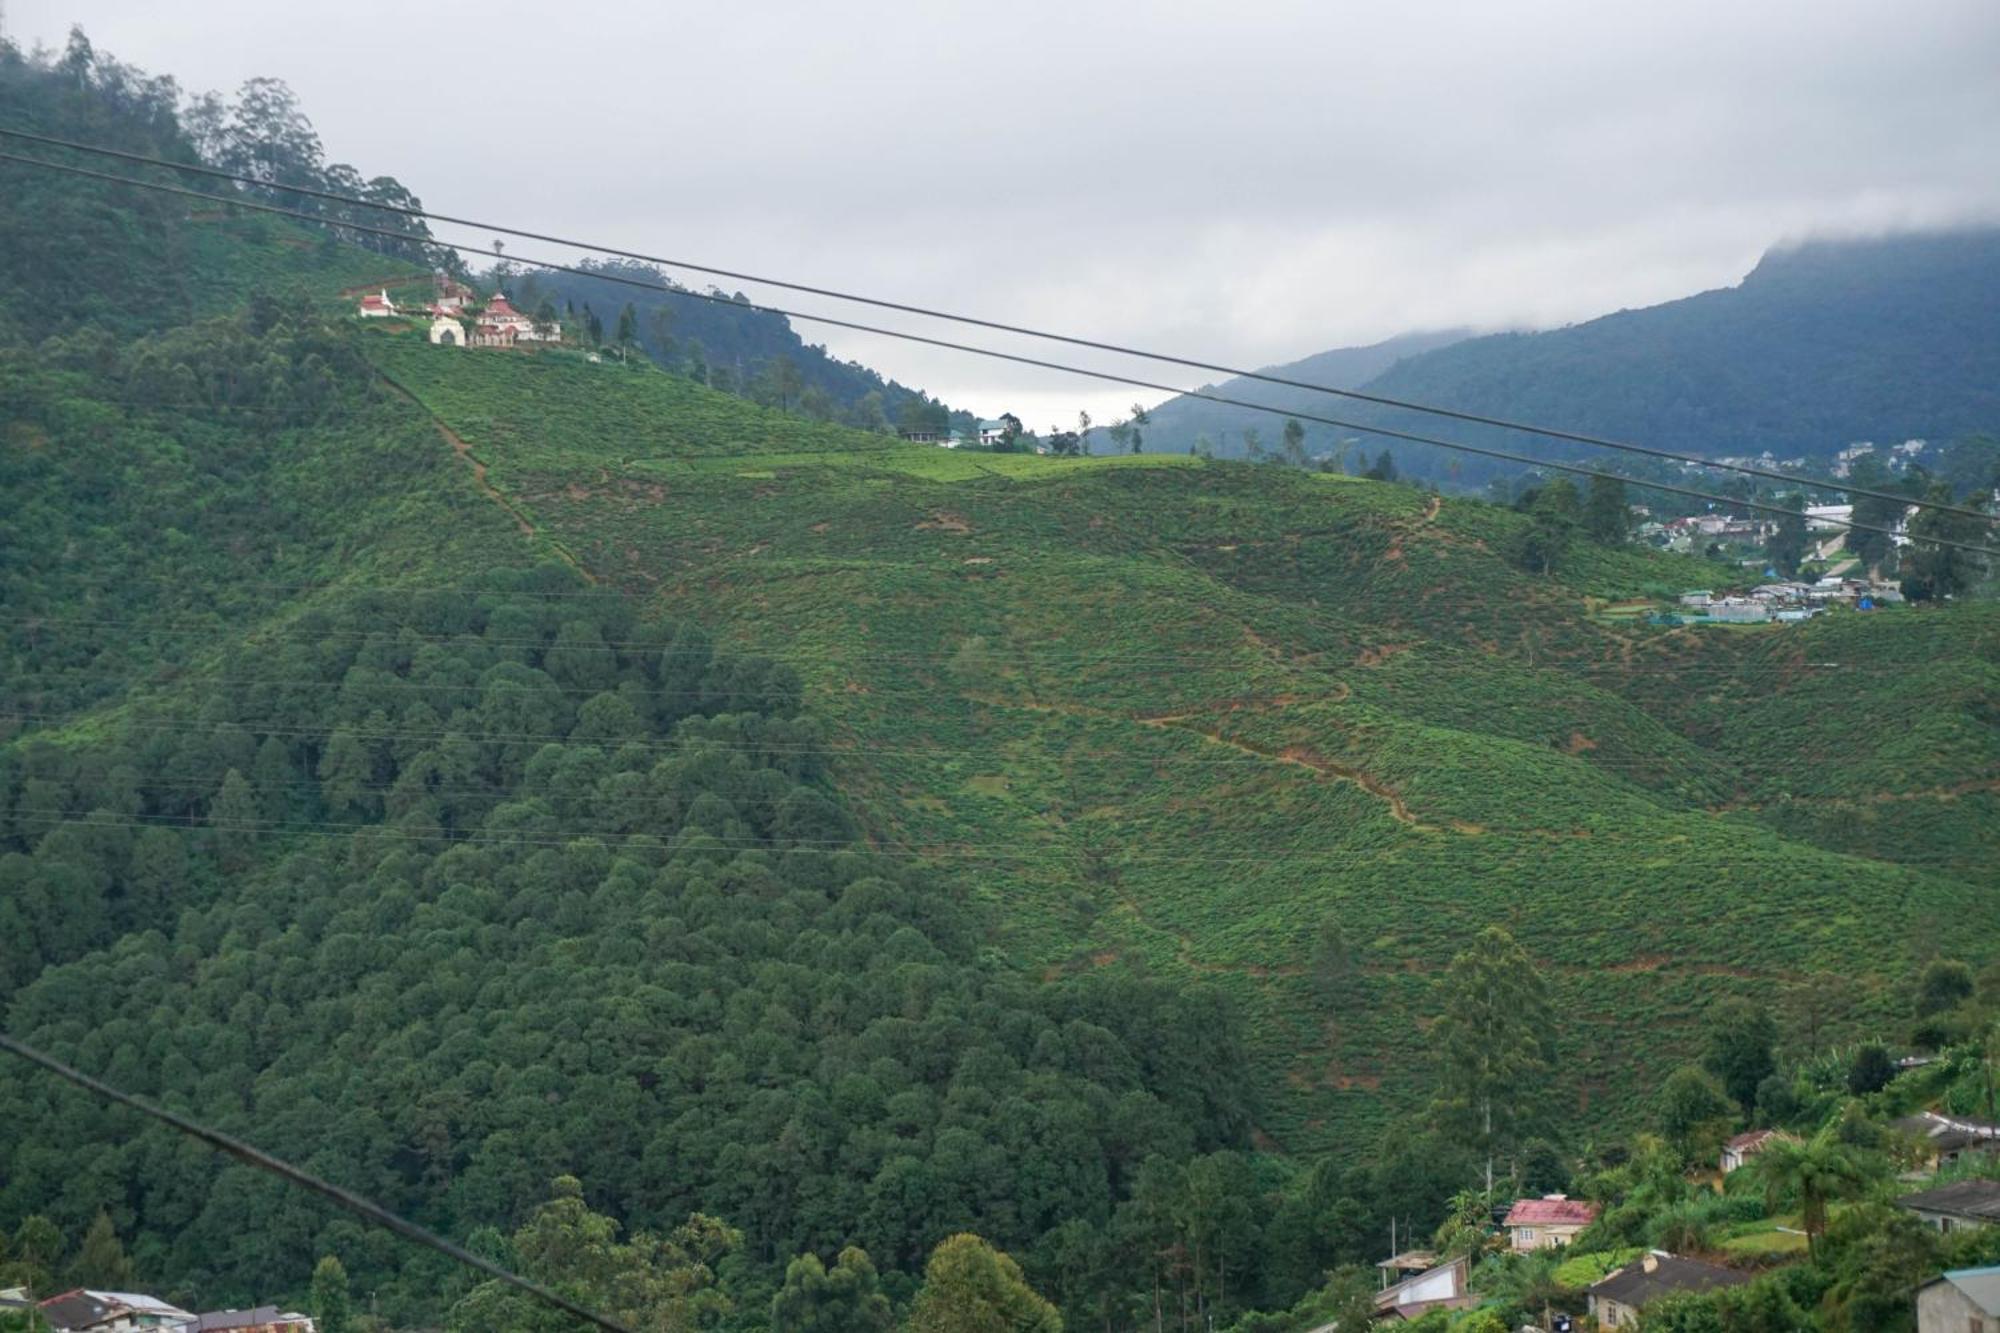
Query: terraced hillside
[1185, 719]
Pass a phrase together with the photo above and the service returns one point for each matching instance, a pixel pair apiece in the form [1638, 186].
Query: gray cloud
[1247, 183]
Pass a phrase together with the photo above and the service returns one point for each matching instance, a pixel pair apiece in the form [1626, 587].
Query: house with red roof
[501, 325]
[377, 305]
[1553, 1219]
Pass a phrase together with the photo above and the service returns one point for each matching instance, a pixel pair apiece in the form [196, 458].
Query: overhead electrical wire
[341, 1197]
[1112, 377]
[929, 312]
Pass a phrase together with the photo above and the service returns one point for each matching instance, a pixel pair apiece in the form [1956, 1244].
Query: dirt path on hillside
[1302, 757]
[461, 448]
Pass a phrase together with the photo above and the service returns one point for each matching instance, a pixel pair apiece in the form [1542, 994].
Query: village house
[1960, 1206]
[1941, 1140]
[1615, 1301]
[377, 305]
[1445, 1287]
[1964, 1300]
[83, 1311]
[1738, 611]
[453, 297]
[1553, 1219]
[1745, 1146]
[1407, 1264]
[938, 437]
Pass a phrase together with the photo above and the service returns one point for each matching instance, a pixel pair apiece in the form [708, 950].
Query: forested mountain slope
[731, 345]
[1821, 345]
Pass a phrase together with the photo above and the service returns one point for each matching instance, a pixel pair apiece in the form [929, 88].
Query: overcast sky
[1244, 182]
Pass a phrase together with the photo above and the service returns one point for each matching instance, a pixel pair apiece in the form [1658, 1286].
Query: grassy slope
[1174, 717]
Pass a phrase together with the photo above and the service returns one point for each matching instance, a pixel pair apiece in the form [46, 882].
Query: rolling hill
[1175, 717]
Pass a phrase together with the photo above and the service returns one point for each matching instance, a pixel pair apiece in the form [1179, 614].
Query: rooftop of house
[1658, 1274]
[1976, 1199]
[216, 1320]
[1551, 1210]
[1945, 1131]
[1443, 1287]
[1755, 1138]
[83, 1309]
[1980, 1285]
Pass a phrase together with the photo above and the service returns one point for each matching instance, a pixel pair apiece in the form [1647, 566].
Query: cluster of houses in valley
[1415, 1282]
[82, 1311]
[457, 320]
[1785, 601]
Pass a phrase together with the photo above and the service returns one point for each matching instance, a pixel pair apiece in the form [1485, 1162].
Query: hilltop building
[446, 331]
[453, 297]
[501, 325]
[377, 305]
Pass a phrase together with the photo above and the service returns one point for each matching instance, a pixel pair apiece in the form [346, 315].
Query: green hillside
[1175, 718]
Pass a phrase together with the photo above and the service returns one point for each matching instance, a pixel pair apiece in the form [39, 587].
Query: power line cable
[341, 1197]
[928, 312]
[1385, 432]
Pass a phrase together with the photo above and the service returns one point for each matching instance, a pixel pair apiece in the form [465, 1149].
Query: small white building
[447, 332]
[377, 305]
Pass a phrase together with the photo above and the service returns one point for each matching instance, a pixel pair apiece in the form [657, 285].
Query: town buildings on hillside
[496, 324]
[85, 1311]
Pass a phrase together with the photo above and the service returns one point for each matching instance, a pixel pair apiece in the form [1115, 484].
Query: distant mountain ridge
[1181, 423]
[1822, 344]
